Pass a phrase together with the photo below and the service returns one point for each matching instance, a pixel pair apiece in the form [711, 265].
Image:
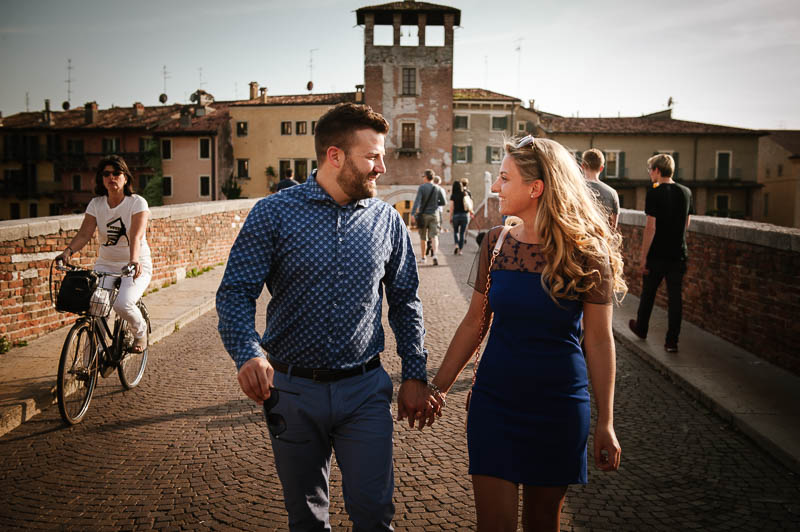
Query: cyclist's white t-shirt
[114, 227]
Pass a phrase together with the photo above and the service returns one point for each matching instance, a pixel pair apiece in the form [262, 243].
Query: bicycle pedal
[107, 370]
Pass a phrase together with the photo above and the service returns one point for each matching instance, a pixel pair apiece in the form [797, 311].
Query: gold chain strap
[484, 322]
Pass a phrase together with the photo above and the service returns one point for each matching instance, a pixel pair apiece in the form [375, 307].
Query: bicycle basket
[102, 301]
[76, 291]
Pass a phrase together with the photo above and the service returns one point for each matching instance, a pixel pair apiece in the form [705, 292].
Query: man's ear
[538, 188]
[335, 156]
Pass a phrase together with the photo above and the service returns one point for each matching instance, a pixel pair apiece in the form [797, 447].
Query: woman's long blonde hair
[575, 233]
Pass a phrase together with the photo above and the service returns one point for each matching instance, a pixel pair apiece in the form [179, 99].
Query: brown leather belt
[324, 374]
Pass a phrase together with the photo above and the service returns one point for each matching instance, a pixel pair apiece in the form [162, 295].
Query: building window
[166, 186]
[521, 126]
[76, 183]
[494, 154]
[621, 201]
[146, 144]
[241, 129]
[284, 165]
[143, 180]
[462, 154]
[313, 164]
[243, 168]
[721, 202]
[15, 211]
[578, 156]
[111, 145]
[300, 170]
[205, 148]
[409, 82]
[300, 128]
[55, 210]
[612, 163]
[286, 128]
[166, 149]
[461, 122]
[499, 123]
[313, 127]
[409, 140]
[766, 204]
[33, 210]
[205, 186]
[75, 146]
[780, 170]
[767, 173]
[724, 165]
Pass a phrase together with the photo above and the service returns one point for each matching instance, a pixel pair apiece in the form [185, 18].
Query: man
[323, 249]
[592, 162]
[287, 181]
[668, 207]
[429, 198]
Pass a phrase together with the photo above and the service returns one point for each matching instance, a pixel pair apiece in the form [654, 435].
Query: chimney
[359, 93]
[47, 115]
[263, 94]
[530, 104]
[253, 90]
[186, 116]
[138, 109]
[90, 112]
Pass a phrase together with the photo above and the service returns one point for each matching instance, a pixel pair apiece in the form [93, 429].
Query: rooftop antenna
[200, 81]
[671, 103]
[235, 90]
[27, 101]
[68, 81]
[518, 49]
[485, 71]
[310, 84]
[165, 75]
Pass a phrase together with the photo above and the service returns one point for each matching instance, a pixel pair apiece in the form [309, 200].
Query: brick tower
[411, 84]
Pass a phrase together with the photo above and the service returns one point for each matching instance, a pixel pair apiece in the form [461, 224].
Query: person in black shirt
[287, 181]
[668, 207]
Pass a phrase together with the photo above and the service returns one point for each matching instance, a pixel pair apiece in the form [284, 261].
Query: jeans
[351, 417]
[460, 222]
[673, 272]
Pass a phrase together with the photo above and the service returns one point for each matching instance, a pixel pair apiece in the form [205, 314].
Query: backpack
[468, 205]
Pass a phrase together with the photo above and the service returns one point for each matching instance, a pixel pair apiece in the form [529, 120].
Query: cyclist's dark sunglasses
[275, 422]
[109, 173]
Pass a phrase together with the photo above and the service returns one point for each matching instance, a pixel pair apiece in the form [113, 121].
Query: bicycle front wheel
[77, 373]
[131, 367]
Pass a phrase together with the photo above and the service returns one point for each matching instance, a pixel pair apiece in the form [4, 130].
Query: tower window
[409, 82]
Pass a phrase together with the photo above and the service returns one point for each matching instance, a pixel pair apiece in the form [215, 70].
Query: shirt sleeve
[401, 283]
[417, 200]
[92, 208]
[139, 205]
[245, 275]
[602, 290]
[650, 202]
[480, 268]
[615, 197]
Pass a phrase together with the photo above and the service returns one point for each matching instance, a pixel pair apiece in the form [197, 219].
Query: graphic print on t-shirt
[116, 230]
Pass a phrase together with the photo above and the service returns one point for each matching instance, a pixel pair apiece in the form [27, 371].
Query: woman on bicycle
[121, 217]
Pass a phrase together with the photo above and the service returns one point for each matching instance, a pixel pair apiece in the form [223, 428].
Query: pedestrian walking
[460, 213]
[426, 206]
[592, 164]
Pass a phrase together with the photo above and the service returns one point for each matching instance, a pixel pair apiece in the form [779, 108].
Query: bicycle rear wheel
[131, 367]
[77, 373]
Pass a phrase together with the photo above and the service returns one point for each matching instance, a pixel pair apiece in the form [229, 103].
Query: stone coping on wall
[758, 233]
[33, 227]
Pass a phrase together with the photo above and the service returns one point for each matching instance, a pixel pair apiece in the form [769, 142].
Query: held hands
[255, 379]
[417, 402]
[607, 453]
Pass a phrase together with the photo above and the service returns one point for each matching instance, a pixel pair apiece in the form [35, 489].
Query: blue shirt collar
[316, 193]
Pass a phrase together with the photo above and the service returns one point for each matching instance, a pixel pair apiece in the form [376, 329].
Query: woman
[121, 218]
[459, 216]
[528, 419]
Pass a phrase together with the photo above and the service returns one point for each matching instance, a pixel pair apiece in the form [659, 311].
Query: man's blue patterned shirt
[326, 267]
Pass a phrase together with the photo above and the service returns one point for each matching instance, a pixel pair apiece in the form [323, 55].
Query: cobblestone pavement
[187, 451]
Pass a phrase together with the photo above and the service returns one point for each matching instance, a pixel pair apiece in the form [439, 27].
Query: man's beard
[354, 183]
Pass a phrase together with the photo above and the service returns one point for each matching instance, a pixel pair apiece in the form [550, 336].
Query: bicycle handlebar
[64, 266]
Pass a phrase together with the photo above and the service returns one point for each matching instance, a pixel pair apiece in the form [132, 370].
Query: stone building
[779, 171]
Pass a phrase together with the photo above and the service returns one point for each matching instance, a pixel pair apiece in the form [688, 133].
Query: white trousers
[130, 291]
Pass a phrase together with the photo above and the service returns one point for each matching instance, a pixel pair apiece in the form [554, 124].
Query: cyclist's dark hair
[336, 127]
[120, 165]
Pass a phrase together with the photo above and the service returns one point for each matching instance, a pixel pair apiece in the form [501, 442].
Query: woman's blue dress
[528, 419]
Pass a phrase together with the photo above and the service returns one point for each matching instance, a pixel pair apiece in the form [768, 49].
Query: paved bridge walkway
[187, 451]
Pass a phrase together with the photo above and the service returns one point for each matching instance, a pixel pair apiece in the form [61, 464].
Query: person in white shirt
[120, 216]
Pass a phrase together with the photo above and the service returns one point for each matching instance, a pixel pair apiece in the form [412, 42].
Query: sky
[730, 62]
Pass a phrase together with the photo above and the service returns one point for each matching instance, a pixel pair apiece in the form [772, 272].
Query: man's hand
[415, 402]
[255, 378]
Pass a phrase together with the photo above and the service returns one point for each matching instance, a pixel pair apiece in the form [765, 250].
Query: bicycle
[92, 347]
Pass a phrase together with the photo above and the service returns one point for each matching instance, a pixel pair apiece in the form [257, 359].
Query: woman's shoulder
[139, 200]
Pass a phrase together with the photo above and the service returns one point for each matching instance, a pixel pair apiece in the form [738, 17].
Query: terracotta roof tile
[481, 94]
[331, 98]
[638, 126]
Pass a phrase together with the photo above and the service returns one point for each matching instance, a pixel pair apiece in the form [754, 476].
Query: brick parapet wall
[181, 237]
[742, 282]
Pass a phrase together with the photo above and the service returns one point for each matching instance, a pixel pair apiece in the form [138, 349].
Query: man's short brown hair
[593, 159]
[337, 126]
[663, 162]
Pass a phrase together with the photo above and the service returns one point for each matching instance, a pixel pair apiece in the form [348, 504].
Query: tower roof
[409, 11]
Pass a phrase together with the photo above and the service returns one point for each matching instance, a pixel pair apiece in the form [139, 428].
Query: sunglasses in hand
[276, 423]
